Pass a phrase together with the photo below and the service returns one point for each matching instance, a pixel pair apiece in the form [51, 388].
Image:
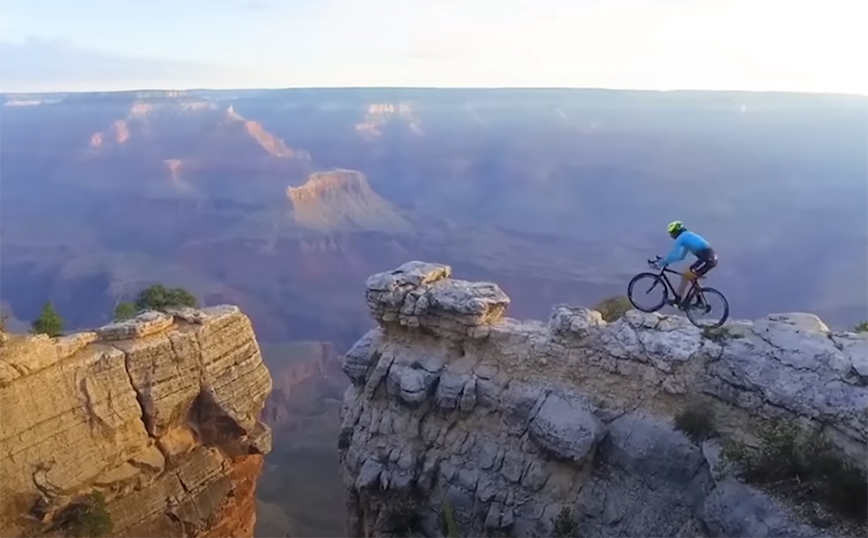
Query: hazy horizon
[803, 46]
[411, 88]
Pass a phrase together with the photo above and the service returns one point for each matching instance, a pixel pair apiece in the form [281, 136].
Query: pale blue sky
[796, 45]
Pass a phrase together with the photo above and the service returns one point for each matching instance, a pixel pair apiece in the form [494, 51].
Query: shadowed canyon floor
[301, 492]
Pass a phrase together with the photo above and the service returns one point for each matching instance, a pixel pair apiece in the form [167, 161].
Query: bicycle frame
[694, 285]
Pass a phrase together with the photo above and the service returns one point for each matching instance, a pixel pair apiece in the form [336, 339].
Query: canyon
[300, 492]
[283, 202]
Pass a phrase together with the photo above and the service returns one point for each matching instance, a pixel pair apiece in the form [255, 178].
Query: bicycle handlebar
[653, 263]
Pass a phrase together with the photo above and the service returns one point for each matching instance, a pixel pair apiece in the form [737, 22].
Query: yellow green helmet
[674, 227]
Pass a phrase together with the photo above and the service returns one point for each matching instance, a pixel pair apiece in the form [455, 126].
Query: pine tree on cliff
[125, 310]
[49, 321]
[158, 297]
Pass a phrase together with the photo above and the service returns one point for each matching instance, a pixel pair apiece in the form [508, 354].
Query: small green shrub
[613, 308]
[159, 297]
[696, 422]
[88, 518]
[861, 328]
[564, 526]
[804, 468]
[125, 310]
[49, 321]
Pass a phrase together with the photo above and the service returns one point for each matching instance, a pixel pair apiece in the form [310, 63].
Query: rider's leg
[698, 269]
[687, 276]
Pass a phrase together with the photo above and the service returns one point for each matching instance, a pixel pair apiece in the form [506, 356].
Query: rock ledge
[512, 420]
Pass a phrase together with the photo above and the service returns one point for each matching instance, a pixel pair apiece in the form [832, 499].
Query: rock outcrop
[159, 414]
[510, 421]
[379, 115]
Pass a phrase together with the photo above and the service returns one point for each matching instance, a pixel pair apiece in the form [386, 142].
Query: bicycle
[694, 299]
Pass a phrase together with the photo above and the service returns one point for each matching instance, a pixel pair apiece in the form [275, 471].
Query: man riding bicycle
[687, 241]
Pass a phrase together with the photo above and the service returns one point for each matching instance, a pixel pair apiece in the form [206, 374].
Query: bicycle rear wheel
[641, 288]
[704, 302]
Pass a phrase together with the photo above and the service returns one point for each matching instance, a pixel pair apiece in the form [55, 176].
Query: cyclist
[687, 241]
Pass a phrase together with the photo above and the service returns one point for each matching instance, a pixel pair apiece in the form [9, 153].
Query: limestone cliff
[511, 421]
[159, 414]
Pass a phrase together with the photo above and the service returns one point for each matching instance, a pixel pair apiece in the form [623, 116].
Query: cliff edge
[156, 417]
[510, 424]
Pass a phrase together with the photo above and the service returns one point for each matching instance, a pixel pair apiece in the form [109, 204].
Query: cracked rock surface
[160, 413]
[510, 421]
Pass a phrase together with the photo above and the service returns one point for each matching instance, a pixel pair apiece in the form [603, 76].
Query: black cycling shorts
[706, 261]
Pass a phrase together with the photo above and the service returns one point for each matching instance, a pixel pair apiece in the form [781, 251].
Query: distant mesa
[175, 166]
[141, 110]
[343, 200]
[330, 185]
[171, 106]
[96, 140]
[379, 114]
[147, 120]
[273, 145]
[231, 115]
[25, 102]
[119, 132]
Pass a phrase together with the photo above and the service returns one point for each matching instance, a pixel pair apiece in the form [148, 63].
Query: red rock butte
[342, 198]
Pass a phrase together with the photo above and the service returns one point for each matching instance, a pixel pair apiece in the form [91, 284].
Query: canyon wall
[158, 416]
[508, 422]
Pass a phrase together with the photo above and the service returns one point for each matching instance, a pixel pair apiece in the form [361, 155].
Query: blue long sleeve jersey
[686, 242]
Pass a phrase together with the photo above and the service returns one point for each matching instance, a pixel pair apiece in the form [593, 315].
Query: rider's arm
[679, 252]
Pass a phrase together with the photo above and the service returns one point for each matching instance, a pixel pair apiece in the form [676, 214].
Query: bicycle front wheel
[710, 312]
[647, 292]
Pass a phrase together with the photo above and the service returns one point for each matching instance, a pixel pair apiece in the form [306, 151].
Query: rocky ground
[509, 422]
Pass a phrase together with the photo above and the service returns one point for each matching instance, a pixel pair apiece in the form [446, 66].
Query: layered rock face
[512, 420]
[160, 414]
